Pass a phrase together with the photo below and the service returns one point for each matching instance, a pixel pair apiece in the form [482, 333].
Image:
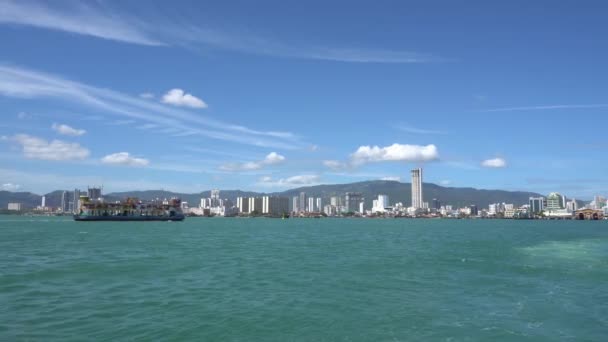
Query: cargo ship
[130, 209]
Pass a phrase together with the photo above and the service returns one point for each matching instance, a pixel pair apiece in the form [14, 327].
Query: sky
[271, 95]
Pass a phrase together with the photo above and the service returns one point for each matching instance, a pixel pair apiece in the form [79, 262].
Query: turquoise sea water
[303, 280]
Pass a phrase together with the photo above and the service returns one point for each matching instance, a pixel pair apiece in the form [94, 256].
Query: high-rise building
[319, 204]
[275, 205]
[94, 193]
[65, 202]
[380, 203]
[436, 204]
[417, 188]
[43, 203]
[537, 204]
[352, 200]
[76, 201]
[302, 202]
[215, 198]
[294, 204]
[555, 202]
[243, 204]
[311, 204]
[473, 210]
[335, 201]
[362, 208]
[15, 206]
[255, 204]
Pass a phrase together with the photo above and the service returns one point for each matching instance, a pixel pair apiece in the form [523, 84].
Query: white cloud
[147, 96]
[300, 180]
[271, 159]
[391, 178]
[67, 130]
[10, 187]
[38, 148]
[178, 97]
[124, 158]
[23, 116]
[395, 152]
[494, 163]
[445, 182]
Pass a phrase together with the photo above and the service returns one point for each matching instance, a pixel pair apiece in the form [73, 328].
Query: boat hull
[129, 218]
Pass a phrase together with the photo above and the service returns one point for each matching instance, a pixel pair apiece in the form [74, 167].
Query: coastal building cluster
[552, 206]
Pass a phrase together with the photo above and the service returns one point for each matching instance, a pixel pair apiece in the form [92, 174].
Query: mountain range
[397, 192]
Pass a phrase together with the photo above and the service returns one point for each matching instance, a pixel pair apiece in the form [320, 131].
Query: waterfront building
[94, 193]
[537, 204]
[335, 201]
[362, 208]
[255, 204]
[473, 210]
[573, 206]
[242, 203]
[76, 201]
[380, 204]
[417, 188]
[555, 201]
[311, 204]
[275, 205]
[65, 202]
[329, 210]
[319, 204]
[302, 202]
[294, 204]
[13, 206]
[43, 202]
[436, 204]
[352, 200]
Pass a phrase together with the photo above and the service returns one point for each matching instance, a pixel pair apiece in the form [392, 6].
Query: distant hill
[397, 192]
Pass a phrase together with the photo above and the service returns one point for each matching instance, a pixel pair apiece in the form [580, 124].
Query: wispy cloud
[24, 83]
[550, 107]
[300, 180]
[415, 130]
[78, 18]
[101, 21]
[391, 178]
[272, 158]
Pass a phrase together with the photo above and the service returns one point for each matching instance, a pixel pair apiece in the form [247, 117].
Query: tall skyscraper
[43, 204]
[311, 204]
[319, 204]
[352, 200]
[65, 202]
[302, 202]
[294, 204]
[94, 193]
[76, 201]
[417, 188]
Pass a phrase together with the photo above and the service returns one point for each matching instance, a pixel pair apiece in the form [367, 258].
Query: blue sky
[189, 96]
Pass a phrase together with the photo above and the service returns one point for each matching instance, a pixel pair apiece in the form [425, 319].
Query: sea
[261, 279]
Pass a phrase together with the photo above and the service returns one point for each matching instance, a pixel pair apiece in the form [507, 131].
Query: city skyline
[260, 100]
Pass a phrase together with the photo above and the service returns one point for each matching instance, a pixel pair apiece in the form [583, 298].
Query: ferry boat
[131, 209]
